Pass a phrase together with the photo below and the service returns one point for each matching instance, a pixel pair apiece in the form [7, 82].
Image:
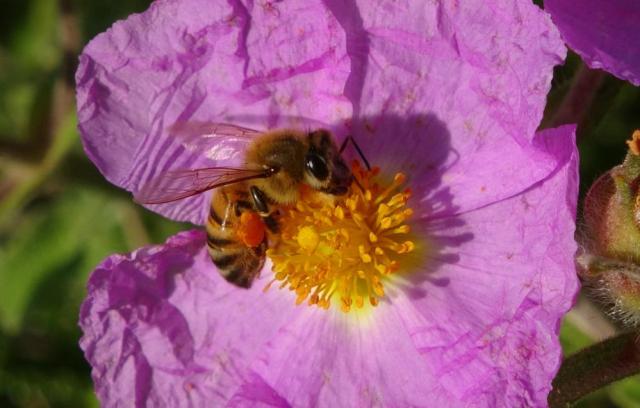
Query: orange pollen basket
[343, 248]
[251, 229]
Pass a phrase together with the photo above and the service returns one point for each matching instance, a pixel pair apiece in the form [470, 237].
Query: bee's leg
[260, 200]
[271, 223]
[353, 142]
[242, 206]
[261, 205]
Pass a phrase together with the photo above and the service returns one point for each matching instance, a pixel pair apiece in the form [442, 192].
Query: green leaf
[48, 239]
[35, 44]
[30, 54]
[626, 393]
[572, 338]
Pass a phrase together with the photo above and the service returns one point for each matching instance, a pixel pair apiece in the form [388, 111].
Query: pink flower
[449, 93]
[605, 34]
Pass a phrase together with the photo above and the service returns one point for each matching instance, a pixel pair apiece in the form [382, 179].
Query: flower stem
[595, 367]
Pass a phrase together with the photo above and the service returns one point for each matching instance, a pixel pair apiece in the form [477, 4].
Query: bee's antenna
[353, 142]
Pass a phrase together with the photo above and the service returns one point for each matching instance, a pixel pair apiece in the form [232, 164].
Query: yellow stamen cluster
[343, 246]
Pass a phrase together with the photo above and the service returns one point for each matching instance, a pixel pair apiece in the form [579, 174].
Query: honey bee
[246, 200]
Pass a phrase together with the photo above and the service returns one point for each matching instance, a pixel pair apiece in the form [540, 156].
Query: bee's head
[325, 169]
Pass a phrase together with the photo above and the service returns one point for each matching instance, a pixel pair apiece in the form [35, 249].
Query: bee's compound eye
[317, 166]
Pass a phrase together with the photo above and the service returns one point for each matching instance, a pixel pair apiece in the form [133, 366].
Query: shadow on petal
[419, 146]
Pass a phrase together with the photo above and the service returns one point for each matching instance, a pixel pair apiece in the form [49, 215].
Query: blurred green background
[59, 217]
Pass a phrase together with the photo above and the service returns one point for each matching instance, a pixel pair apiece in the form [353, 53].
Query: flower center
[343, 247]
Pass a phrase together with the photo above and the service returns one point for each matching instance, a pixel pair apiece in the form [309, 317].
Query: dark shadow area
[99, 15]
[14, 14]
[358, 48]
[418, 146]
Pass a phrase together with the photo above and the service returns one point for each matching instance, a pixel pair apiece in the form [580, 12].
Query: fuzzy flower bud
[611, 241]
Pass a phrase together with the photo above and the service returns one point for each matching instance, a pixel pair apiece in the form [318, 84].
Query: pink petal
[329, 359]
[161, 326]
[504, 277]
[605, 34]
[462, 83]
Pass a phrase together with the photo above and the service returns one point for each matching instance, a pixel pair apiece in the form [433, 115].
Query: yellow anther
[403, 229]
[378, 289]
[405, 247]
[268, 286]
[399, 178]
[308, 238]
[383, 210]
[409, 245]
[396, 200]
[345, 304]
[397, 219]
[342, 245]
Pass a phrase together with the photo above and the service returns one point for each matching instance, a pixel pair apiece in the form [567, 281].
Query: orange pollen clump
[343, 247]
[251, 229]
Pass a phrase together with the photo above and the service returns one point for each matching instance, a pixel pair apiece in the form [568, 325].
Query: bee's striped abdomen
[237, 263]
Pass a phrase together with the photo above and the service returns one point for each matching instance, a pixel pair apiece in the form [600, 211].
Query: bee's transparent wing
[214, 140]
[178, 184]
